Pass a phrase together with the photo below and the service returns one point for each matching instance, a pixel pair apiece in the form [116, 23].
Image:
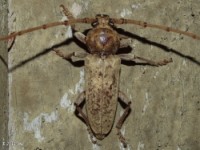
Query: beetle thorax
[102, 41]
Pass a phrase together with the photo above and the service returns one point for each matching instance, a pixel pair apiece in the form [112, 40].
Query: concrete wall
[43, 87]
[3, 78]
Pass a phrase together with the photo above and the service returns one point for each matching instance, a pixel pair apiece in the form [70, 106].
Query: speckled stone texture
[165, 100]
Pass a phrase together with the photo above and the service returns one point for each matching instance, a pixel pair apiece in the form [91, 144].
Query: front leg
[132, 57]
[125, 42]
[69, 15]
[80, 36]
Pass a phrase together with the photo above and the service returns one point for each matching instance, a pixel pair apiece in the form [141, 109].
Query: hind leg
[121, 120]
[80, 99]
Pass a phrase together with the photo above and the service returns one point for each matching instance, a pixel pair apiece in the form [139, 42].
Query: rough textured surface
[165, 100]
[3, 78]
[102, 80]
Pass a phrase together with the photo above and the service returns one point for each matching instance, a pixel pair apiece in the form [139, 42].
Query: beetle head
[102, 20]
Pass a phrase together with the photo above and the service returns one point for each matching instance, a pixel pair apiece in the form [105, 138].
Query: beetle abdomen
[102, 80]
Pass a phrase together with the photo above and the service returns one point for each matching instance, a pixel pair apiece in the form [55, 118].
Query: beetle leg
[68, 14]
[121, 120]
[125, 42]
[80, 36]
[80, 99]
[69, 55]
[132, 57]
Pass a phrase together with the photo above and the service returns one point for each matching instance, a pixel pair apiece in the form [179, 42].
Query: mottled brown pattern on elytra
[102, 76]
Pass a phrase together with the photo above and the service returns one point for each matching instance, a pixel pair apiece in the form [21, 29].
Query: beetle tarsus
[122, 138]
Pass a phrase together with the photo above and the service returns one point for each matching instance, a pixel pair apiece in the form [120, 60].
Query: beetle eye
[111, 23]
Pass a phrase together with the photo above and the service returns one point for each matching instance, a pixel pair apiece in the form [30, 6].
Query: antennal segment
[49, 25]
[161, 27]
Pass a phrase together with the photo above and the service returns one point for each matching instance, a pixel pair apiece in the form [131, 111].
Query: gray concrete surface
[165, 100]
[3, 78]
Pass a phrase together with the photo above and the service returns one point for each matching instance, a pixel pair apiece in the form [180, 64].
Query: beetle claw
[122, 139]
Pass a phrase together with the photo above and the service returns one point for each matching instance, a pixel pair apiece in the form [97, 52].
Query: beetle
[102, 69]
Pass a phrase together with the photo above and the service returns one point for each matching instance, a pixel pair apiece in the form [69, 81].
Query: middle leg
[132, 57]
